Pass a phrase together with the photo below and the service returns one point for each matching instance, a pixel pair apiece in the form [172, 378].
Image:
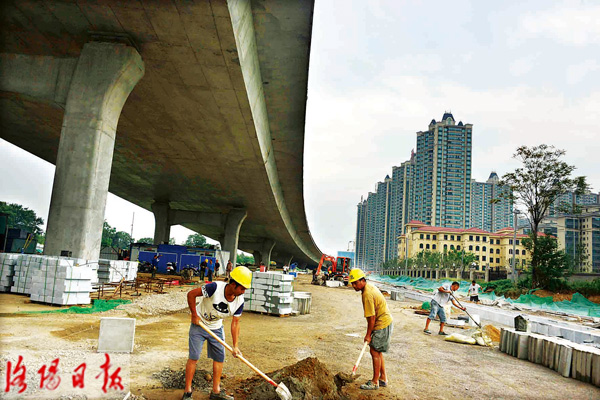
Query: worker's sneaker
[187, 396]
[427, 331]
[441, 333]
[369, 386]
[382, 383]
[220, 396]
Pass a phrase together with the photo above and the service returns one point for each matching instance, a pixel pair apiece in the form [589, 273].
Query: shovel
[347, 378]
[359, 358]
[282, 391]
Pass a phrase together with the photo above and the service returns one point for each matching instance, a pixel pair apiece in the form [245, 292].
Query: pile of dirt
[171, 379]
[307, 379]
[492, 332]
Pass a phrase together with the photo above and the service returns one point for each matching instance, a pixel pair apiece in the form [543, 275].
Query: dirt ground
[418, 366]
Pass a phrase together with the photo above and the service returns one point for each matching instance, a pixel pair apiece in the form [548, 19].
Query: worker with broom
[379, 326]
[218, 301]
[439, 300]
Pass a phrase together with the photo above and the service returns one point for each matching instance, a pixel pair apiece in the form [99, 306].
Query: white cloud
[571, 23]
[522, 65]
[578, 72]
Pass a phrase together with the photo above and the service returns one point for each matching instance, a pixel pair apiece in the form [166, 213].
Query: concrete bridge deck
[215, 124]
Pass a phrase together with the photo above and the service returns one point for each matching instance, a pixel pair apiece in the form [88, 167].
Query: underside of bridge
[215, 124]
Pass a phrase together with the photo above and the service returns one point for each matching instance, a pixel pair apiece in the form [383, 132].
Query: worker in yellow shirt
[379, 326]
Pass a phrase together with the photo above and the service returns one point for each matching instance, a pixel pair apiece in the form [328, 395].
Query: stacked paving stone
[114, 271]
[7, 270]
[25, 267]
[63, 281]
[271, 293]
[569, 359]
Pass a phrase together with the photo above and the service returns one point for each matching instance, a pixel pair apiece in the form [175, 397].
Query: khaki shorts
[381, 338]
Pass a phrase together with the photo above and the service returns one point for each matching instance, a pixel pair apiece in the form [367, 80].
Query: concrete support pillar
[447, 274]
[437, 274]
[104, 76]
[487, 274]
[265, 251]
[233, 223]
[162, 223]
[257, 257]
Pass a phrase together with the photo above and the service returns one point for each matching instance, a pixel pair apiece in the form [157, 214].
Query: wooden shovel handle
[228, 347]
[359, 357]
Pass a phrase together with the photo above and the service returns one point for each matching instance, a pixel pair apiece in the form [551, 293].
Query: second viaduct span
[194, 110]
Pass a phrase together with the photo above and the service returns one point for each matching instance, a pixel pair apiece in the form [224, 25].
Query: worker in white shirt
[474, 291]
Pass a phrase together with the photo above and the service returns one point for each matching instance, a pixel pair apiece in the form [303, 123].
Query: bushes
[506, 288]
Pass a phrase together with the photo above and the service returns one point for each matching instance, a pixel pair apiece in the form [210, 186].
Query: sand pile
[307, 379]
[492, 332]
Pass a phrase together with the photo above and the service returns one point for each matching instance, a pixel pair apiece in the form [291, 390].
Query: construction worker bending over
[439, 300]
[219, 300]
[379, 326]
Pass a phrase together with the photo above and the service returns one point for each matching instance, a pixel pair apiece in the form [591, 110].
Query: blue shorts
[214, 349]
[436, 309]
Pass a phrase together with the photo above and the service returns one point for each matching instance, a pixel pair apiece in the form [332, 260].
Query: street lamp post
[514, 269]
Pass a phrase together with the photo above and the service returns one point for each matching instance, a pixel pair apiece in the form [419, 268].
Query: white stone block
[116, 335]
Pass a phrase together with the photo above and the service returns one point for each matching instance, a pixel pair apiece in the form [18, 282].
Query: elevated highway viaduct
[194, 110]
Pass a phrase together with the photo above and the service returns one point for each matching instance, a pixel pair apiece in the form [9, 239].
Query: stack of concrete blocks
[565, 357]
[7, 270]
[25, 267]
[271, 293]
[397, 295]
[62, 281]
[114, 271]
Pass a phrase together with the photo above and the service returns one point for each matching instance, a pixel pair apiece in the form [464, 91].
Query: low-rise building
[491, 249]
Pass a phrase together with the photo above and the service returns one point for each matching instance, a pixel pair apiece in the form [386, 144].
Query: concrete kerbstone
[116, 335]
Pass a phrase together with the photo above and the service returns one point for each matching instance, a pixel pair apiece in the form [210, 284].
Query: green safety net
[420, 283]
[97, 306]
[578, 305]
[426, 305]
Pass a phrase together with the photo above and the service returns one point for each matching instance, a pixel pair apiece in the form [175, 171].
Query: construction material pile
[115, 271]
[7, 270]
[171, 379]
[271, 293]
[62, 281]
[307, 379]
[569, 359]
[24, 268]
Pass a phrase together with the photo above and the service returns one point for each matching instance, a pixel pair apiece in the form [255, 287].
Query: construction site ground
[418, 366]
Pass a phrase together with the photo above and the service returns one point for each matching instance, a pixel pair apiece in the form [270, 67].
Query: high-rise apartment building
[434, 185]
[490, 210]
[442, 181]
[579, 236]
[566, 202]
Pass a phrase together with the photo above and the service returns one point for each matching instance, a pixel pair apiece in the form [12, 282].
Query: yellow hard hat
[242, 275]
[355, 274]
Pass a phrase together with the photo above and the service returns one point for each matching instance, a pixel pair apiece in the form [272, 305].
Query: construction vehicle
[336, 269]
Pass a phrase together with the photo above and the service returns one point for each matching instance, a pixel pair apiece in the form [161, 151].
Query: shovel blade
[283, 392]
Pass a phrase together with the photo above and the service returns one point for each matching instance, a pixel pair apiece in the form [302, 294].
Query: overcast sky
[523, 73]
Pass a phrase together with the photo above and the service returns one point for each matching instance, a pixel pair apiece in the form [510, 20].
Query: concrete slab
[116, 335]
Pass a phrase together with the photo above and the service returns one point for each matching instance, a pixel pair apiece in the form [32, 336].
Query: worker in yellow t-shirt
[379, 326]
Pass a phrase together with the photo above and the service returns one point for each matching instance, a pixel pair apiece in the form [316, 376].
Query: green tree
[551, 263]
[121, 240]
[172, 241]
[244, 259]
[433, 259]
[390, 264]
[196, 240]
[146, 240]
[108, 233]
[20, 217]
[542, 177]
